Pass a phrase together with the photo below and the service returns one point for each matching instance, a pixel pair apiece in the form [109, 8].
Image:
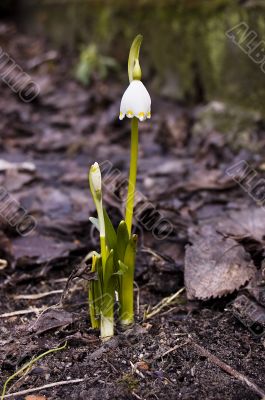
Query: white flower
[95, 175]
[136, 102]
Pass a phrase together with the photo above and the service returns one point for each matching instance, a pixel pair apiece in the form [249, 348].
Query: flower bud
[95, 179]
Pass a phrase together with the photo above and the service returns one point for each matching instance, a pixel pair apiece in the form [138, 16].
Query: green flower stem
[103, 252]
[102, 232]
[132, 176]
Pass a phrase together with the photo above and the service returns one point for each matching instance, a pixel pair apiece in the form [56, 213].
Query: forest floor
[202, 345]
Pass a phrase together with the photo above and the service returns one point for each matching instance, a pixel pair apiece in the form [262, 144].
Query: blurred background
[186, 54]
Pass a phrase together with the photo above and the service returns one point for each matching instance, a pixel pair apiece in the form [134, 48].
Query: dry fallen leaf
[35, 397]
[215, 266]
[52, 319]
[248, 223]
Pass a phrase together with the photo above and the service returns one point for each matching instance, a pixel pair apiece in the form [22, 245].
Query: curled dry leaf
[215, 266]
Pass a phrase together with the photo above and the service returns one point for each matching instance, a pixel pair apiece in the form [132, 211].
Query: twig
[32, 310]
[136, 395]
[37, 296]
[163, 303]
[135, 370]
[169, 310]
[36, 389]
[171, 350]
[225, 367]
[59, 280]
[27, 366]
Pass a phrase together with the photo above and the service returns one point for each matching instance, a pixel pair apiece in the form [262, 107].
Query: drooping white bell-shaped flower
[136, 101]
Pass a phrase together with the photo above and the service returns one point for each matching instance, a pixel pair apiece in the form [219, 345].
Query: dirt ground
[193, 348]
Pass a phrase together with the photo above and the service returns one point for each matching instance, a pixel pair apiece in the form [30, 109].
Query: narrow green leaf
[122, 268]
[108, 298]
[129, 257]
[126, 310]
[122, 240]
[95, 294]
[110, 231]
[99, 269]
[109, 270]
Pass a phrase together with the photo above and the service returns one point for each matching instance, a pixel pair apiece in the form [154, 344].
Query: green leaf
[108, 294]
[109, 270]
[95, 222]
[122, 240]
[122, 268]
[126, 283]
[111, 236]
[130, 254]
[95, 292]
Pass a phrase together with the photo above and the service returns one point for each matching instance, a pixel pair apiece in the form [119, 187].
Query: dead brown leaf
[39, 249]
[53, 319]
[248, 223]
[215, 266]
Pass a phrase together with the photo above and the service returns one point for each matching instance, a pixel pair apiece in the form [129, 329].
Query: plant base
[106, 327]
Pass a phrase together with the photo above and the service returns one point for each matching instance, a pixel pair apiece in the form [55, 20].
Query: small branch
[27, 366]
[225, 367]
[136, 395]
[48, 386]
[173, 349]
[37, 296]
[32, 310]
[164, 303]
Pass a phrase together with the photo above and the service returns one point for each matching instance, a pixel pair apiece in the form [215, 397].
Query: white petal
[136, 101]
